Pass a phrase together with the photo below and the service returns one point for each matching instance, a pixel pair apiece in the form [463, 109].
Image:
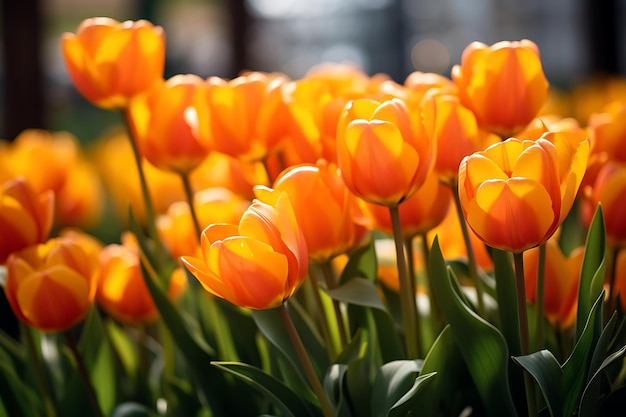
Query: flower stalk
[84, 375]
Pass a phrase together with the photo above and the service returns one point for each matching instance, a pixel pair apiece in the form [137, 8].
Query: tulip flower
[26, 216]
[503, 84]
[609, 189]
[515, 194]
[169, 123]
[319, 189]
[51, 286]
[258, 263]
[607, 130]
[562, 275]
[419, 213]
[122, 291]
[248, 116]
[213, 205]
[382, 153]
[111, 61]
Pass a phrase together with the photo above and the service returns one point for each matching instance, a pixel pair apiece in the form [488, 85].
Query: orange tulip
[619, 284]
[51, 286]
[213, 205]
[122, 291]
[319, 189]
[258, 263]
[418, 214]
[562, 275]
[169, 123]
[607, 130]
[25, 216]
[110, 62]
[454, 129]
[503, 84]
[515, 194]
[382, 153]
[609, 189]
[248, 116]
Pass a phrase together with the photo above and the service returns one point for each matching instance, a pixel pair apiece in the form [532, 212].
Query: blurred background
[577, 39]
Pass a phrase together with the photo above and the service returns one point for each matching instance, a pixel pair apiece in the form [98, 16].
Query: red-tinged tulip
[213, 205]
[608, 189]
[51, 286]
[122, 291]
[515, 194]
[607, 130]
[248, 116]
[319, 189]
[503, 84]
[382, 152]
[419, 213]
[455, 131]
[619, 284]
[169, 123]
[26, 216]
[258, 263]
[562, 275]
[111, 61]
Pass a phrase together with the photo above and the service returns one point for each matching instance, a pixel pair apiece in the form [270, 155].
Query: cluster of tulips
[337, 245]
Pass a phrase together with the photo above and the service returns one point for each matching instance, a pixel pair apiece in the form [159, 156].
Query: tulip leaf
[589, 402]
[395, 386]
[335, 386]
[545, 369]
[507, 301]
[592, 272]
[483, 347]
[16, 396]
[287, 401]
[362, 264]
[576, 368]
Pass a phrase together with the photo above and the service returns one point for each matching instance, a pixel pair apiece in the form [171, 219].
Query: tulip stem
[539, 299]
[523, 330]
[42, 378]
[190, 202]
[84, 375]
[407, 297]
[323, 319]
[329, 277]
[471, 258]
[150, 216]
[305, 360]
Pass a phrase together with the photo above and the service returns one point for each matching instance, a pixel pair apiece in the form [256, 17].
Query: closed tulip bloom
[503, 84]
[608, 189]
[562, 275]
[248, 116]
[110, 61]
[382, 153]
[515, 194]
[26, 216]
[258, 263]
[169, 123]
[51, 286]
[607, 130]
[122, 291]
[419, 213]
[454, 129]
[319, 189]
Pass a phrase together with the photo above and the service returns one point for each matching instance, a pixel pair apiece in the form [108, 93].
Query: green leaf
[362, 264]
[287, 401]
[589, 403]
[482, 345]
[507, 301]
[130, 409]
[17, 397]
[545, 369]
[395, 386]
[335, 387]
[592, 272]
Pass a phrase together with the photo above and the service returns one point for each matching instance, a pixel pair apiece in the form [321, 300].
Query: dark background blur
[577, 39]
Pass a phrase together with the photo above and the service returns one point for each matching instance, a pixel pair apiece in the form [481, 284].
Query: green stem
[523, 330]
[611, 259]
[435, 311]
[42, 379]
[84, 375]
[471, 258]
[150, 214]
[305, 360]
[329, 277]
[407, 298]
[539, 299]
[323, 317]
[190, 202]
